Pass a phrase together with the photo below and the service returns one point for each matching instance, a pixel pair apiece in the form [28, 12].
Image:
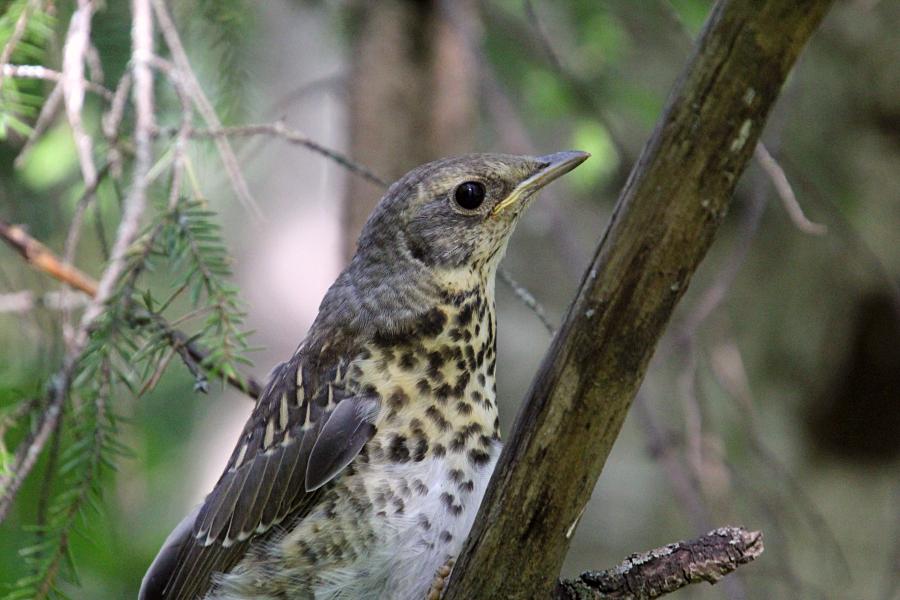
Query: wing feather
[264, 483]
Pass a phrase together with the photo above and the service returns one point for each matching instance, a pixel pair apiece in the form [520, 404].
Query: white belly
[404, 561]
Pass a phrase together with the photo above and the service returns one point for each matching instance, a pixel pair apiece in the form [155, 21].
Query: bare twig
[73, 82]
[47, 74]
[30, 449]
[43, 259]
[49, 110]
[543, 38]
[294, 137]
[786, 192]
[664, 570]
[184, 129]
[111, 121]
[73, 79]
[526, 298]
[179, 56]
[728, 368]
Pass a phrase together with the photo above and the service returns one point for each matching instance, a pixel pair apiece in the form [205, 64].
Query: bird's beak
[551, 167]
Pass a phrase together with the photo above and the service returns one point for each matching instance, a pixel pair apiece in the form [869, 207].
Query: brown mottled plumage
[361, 468]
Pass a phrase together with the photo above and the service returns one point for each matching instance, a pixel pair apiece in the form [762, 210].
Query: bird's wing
[293, 444]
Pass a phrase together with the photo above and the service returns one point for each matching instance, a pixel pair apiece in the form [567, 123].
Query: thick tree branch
[665, 220]
[664, 570]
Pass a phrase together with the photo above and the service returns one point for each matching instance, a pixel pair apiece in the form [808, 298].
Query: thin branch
[664, 570]
[786, 192]
[179, 56]
[543, 38]
[43, 259]
[294, 137]
[49, 110]
[111, 120]
[73, 81]
[46, 74]
[526, 298]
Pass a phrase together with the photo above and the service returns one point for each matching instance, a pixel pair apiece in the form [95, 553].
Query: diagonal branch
[666, 218]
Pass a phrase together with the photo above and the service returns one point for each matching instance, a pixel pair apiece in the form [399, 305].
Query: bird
[361, 468]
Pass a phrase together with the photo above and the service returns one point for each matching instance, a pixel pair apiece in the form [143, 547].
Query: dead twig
[292, 136]
[526, 298]
[786, 192]
[49, 110]
[664, 570]
[43, 259]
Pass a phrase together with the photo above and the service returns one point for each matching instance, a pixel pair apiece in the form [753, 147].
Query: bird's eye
[469, 195]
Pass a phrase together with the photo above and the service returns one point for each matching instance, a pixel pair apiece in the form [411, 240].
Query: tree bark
[412, 96]
[674, 201]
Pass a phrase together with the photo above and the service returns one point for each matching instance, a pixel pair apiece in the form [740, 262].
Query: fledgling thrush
[360, 471]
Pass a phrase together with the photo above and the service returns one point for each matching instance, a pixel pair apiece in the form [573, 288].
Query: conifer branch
[44, 260]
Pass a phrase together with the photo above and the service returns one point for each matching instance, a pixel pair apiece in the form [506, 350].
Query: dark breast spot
[443, 392]
[479, 458]
[458, 442]
[435, 363]
[434, 413]
[432, 323]
[420, 450]
[419, 487]
[464, 317]
[408, 361]
[449, 501]
[397, 449]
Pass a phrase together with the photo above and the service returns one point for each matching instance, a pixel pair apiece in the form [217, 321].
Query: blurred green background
[779, 410]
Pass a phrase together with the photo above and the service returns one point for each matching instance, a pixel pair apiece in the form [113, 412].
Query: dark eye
[469, 195]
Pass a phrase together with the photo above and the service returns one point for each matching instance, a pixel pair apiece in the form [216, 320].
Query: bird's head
[458, 213]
